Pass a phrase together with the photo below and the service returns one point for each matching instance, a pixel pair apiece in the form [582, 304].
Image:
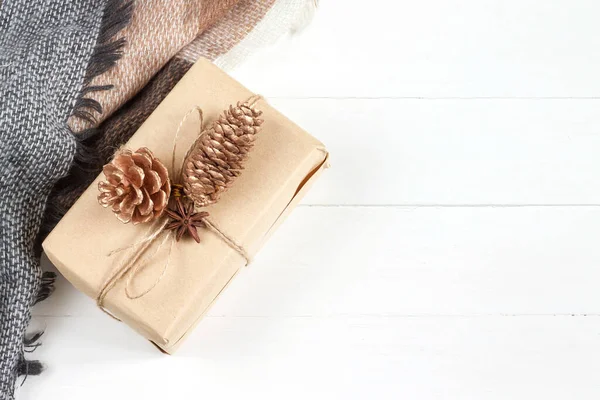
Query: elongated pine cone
[137, 186]
[217, 156]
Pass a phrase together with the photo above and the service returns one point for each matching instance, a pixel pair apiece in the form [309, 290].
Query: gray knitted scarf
[49, 51]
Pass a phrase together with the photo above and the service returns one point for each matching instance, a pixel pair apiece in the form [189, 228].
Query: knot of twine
[132, 264]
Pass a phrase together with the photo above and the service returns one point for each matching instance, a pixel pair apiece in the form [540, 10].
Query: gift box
[172, 286]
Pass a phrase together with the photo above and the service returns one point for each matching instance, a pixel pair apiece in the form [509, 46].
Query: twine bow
[133, 264]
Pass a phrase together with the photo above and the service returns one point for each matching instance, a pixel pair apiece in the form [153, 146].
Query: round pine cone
[217, 156]
[137, 186]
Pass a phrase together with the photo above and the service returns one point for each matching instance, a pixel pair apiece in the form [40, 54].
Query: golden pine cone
[137, 186]
[217, 156]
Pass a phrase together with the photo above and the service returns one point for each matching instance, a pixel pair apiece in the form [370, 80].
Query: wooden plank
[402, 261]
[454, 151]
[433, 48]
[342, 357]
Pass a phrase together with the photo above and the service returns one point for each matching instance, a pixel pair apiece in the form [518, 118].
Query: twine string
[230, 242]
[138, 267]
[178, 133]
[131, 267]
[138, 248]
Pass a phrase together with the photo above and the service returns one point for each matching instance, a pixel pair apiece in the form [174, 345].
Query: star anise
[184, 219]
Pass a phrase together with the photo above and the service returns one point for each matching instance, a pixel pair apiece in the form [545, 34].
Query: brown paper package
[281, 167]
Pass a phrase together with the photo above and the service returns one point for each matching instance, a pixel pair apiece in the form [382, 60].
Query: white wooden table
[450, 253]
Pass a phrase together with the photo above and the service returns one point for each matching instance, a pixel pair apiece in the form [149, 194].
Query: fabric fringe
[47, 286]
[304, 16]
[31, 341]
[286, 17]
[29, 367]
[106, 54]
[108, 51]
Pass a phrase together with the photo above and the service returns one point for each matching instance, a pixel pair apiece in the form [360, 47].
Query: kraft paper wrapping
[281, 167]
